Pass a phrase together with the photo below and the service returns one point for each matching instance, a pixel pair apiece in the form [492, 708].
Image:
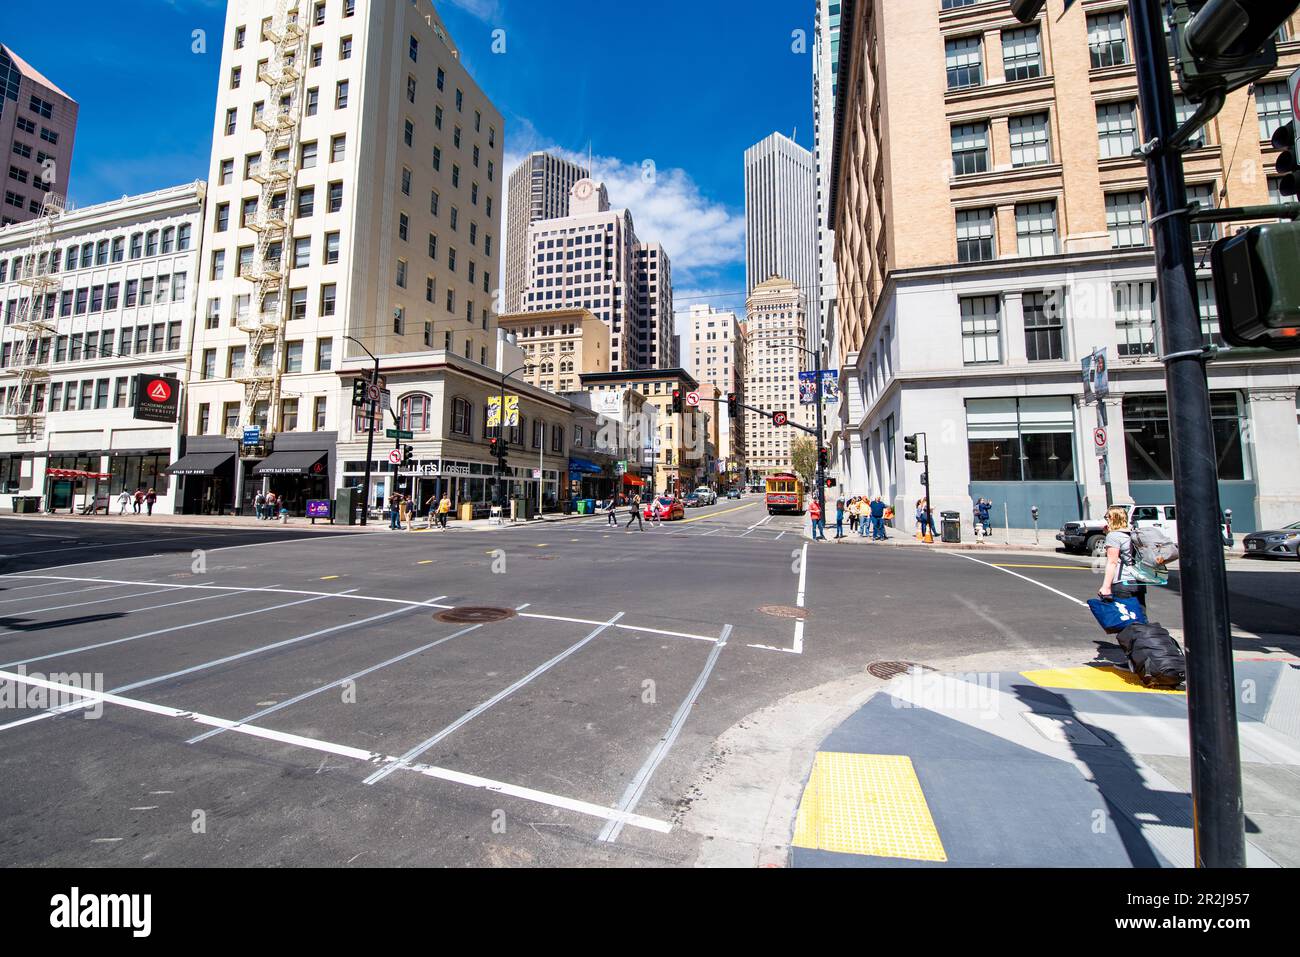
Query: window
[461, 416]
[970, 148]
[1126, 219]
[406, 181]
[1273, 104]
[297, 304]
[1147, 444]
[341, 95]
[437, 158]
[335, 197]
[222, 224]
[410, 88]
[1044, 326]
[1183, 110]
[413, 51]
[209, 370]
[442, 78]
[1117, 128]
[345, 48]
[306, 202]
[1208, 310]
[318, 413]
[964, 58]
[1022, 58]
[293, 356]
[1030, 140]
[324, 355]
[232, 120]
[331, 248]
[974, 235]
[328, 295]
[205, 413]
[981, 329]
[1135, 318]
[338, 148]
[289, 415]
[413, 414]
[1107, 39]
[302, 252]
[401, 274]
[307, 154]
[403, 227]
[1202, 194]
[1036, 228]
[313, 101]
[557, 438]
[1021, 440]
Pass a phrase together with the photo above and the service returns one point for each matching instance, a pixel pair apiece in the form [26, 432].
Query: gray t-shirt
[1124, 542]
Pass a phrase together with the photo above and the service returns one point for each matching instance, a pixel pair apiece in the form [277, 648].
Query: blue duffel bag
[1116, 615]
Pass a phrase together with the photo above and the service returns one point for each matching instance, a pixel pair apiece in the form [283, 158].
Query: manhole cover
[892, 669]
[470, 615]
[784, 611]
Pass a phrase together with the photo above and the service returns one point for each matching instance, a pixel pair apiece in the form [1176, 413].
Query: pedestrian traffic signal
[823, 458]
[358, 392]
[910, 451]
[733, 405]
[408, 455]
[830, 483]
[677, 401]
[1257, 286]
[1288, 183]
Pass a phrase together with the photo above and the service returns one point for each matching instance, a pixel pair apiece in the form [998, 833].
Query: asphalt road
[572, 731]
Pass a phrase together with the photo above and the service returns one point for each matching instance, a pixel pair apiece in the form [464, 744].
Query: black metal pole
[929, 515]
[1211, 701]
[370, 449]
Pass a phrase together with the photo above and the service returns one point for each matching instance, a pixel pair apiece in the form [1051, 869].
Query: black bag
[1153, 655]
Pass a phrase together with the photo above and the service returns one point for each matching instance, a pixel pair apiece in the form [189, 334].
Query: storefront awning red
[632, 480]
[76, 474]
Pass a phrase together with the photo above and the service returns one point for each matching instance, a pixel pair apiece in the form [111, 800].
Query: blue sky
[684, 84]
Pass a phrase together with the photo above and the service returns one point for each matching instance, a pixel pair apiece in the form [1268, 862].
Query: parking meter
[1033, 510]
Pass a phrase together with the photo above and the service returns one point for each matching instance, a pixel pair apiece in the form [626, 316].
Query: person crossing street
[634, 512]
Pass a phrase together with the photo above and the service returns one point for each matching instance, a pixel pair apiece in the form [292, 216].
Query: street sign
[1099, 440]
[537, 473]
[399, 434]
[373, 392]
[395, 456]
[780, 418]
[157, 398]
[253, 435]
[692, 398]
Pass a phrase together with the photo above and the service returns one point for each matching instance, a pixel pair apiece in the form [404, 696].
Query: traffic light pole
[1211, 701]
[370, 435]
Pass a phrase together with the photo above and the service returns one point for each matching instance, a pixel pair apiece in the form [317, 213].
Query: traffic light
[358, 392]
[823, 458]
[830, 483]
[494, 448]
[733, 405]
[1289, 176]
[677, 401]
[910, 450]
[1222, 45]
[408, 455]
[1257, 286]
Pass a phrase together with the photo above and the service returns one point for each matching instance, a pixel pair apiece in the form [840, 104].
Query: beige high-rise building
[354, 193]
[38, 125]
[776, 323]
[592, 259]
[539, 189]
[715, 355]
[559, 345]
[972, 281]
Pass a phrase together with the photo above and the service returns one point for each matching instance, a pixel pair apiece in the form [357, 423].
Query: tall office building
[354, 194]
[777, 324]
[715, 355]
[539, 189]
[826, 55]
[592, 259]
[967, 300]
[38, 125]
[781, 218]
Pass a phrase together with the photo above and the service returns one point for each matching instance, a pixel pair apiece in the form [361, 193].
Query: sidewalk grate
[474, 615]
[892, 669]
[784, 611]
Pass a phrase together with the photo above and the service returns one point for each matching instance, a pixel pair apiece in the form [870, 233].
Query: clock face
[583, 189]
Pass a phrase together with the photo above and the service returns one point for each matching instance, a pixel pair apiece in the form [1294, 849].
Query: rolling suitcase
[1153, 655]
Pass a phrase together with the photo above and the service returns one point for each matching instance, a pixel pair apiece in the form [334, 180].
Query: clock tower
[588, 196]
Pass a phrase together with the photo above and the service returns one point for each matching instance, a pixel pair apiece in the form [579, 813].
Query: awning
[632, 480]
[584, 465]
[76, 474]
[292, 462]
[199, 463]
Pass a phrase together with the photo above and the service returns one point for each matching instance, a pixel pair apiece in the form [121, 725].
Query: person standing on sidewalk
[878, 520]
[839, 519]
[394, 512]
[853, 514]
[150, 499]
[983, 512]
[124, 502]
[924, 521]
[634, 512]
[818, 528]
[444, 509]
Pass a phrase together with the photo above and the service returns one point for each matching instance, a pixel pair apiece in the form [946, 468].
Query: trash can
[951, 527]
[520, 511]
[466, 511]
[27, 504]
[582, 507]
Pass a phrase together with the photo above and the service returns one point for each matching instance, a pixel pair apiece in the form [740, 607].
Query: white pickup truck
[1087, 535]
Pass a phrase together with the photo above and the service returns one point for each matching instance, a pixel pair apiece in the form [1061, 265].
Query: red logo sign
[779, 418]
[159, 390]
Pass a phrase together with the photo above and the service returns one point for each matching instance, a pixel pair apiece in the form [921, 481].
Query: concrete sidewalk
[1002, 539]
[1057, 767]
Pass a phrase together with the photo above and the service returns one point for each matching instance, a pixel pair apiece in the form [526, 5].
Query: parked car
[693, 501]
[1282, 543]
[706, 495]
[1087, 535]
[733, 493]
[669, 509]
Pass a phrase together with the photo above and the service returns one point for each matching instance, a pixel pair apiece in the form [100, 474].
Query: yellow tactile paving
[867, 804]
[1093, 678]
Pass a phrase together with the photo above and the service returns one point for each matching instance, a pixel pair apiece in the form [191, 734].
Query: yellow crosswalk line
[867, 804]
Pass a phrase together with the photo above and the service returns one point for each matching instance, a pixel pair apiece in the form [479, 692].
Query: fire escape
[34, 325]
[269, 269]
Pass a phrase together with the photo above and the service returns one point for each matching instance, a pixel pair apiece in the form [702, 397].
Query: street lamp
[370, 438]
[501, 444]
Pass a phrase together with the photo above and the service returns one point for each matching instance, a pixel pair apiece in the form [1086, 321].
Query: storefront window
[1147, 445]
[131, 472]
[1021, 440]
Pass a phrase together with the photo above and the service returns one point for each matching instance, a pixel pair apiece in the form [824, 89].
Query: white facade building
[91, 299]
[781, 219]
[355, 194]
[715, 355]
[777, 326]
[538, 189]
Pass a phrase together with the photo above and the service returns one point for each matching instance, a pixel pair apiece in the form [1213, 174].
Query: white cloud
[486, 10]
[701, 236]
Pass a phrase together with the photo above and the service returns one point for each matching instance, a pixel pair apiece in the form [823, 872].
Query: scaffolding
[34, 325]
[268, 270]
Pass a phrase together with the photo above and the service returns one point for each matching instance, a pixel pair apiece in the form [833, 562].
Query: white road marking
[1028, 579]
[358, 754]
[95, 601]
[500, 696]
[52, 594]
[637, 786]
